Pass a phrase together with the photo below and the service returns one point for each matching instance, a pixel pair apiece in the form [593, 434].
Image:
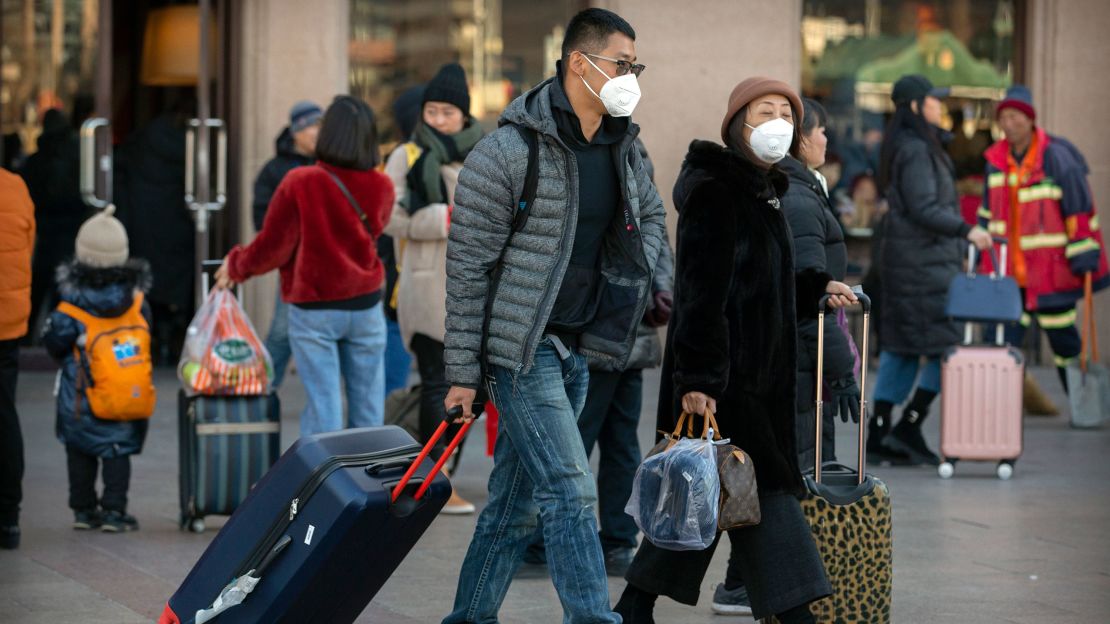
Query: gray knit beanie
[102, 241]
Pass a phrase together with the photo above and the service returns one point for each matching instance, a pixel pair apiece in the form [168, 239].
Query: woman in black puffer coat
[732, 345]
[818, 246]
[923, 242]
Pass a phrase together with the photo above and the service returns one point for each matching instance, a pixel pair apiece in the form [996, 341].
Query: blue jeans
[540, 469]
[277, 341]
[609, 420]
[897, 373]
[398, 361]
[337, 348]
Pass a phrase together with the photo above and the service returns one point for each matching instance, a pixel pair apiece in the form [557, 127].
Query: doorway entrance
[107, 102]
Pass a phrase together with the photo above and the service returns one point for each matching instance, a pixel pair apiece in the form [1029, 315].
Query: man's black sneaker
[9, 536]
[86, 519]
[118, 522]
[731, 602]
[617, 561]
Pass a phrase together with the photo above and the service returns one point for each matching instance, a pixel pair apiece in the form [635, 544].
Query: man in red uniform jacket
[1037, 197]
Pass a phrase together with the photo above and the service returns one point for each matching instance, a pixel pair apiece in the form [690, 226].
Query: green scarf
[425, 183]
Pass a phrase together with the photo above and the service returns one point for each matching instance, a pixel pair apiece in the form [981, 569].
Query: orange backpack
[117, 356]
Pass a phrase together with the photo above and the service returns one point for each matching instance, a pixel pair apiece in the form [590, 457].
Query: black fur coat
[733, 333]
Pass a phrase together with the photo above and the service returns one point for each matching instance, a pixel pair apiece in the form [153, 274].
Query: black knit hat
[449, 85]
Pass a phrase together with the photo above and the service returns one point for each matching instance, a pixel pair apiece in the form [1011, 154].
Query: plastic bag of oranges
[223, 355]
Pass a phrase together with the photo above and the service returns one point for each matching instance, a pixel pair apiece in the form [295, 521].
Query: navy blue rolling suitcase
[320, 534]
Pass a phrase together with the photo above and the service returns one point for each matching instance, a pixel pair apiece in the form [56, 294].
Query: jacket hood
[707, 161]
[105, 292]
[284, 146]
[533, 110]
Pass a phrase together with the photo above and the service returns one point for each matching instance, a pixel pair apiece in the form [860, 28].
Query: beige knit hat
[102, 240]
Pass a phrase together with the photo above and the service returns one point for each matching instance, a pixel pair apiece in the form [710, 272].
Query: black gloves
[844, 398]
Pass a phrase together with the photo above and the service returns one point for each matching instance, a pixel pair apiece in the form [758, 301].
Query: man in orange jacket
[17, 241]
[1037, 197]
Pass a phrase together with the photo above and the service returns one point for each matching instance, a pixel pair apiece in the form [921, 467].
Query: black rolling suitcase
[320, 534]
[225, 445]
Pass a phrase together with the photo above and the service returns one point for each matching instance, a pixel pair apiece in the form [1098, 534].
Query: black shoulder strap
[351, 198]
[531, 176]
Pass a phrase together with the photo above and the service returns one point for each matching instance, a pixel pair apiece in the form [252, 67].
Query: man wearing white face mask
[537, 292]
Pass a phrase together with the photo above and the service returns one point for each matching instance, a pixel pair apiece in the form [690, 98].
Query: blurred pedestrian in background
[407, 110]
[1038, 198]
[425, 197]
[319, 230]
[295, 147]
[923, 243]
[17, 242]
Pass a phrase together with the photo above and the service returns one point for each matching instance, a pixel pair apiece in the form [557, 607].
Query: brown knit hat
[752, 88]
[102, 240]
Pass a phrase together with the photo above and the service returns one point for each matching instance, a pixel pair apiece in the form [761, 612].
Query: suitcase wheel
[1005, 470]
[946, 469]
[194, 525]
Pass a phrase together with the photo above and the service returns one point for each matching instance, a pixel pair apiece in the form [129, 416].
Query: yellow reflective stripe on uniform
[984, 213]
[1043, 241]
[996, 180]
[1080, 247]
[1059, 320]
[1040, 192]
[1093, 223]
[997, 227]
[1026, 320]
[1062, 362]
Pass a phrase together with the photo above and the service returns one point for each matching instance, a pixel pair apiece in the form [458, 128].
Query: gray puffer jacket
[536, 257]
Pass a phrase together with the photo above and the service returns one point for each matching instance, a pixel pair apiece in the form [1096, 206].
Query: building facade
[267, 54]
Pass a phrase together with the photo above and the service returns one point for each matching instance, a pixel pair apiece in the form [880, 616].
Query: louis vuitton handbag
[739, 503]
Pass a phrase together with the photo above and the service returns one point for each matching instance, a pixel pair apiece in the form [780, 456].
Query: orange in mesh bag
[222, 355]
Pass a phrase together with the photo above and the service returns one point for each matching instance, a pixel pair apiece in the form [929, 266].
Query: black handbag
[985, 298]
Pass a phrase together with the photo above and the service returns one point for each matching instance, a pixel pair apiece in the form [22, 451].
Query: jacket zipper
[544, 311]
[307, 489]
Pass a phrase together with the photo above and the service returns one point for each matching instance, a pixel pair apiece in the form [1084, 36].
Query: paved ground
[972, 549]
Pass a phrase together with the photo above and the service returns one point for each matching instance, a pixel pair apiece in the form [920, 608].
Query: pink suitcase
[981, 403]
[981, 392]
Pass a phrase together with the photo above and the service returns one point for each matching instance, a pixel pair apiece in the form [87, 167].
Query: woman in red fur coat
[320, 231]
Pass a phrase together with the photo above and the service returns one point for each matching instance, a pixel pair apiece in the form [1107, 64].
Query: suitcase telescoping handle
[454, 413]
[999, 272]
[865, 301]
[213, 265]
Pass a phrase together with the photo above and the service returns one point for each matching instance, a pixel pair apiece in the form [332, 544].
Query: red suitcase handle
[424, 452]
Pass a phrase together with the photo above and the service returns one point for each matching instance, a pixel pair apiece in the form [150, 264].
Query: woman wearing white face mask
[731, 348]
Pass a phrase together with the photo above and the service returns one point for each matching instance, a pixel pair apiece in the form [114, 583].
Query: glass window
[854, 50]
[47, 61]
[505, 46]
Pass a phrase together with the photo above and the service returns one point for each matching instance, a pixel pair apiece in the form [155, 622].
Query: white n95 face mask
[619, 95]
[771, 141]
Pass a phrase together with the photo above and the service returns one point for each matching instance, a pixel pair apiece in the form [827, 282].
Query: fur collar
[74, 276]
[707, 160]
